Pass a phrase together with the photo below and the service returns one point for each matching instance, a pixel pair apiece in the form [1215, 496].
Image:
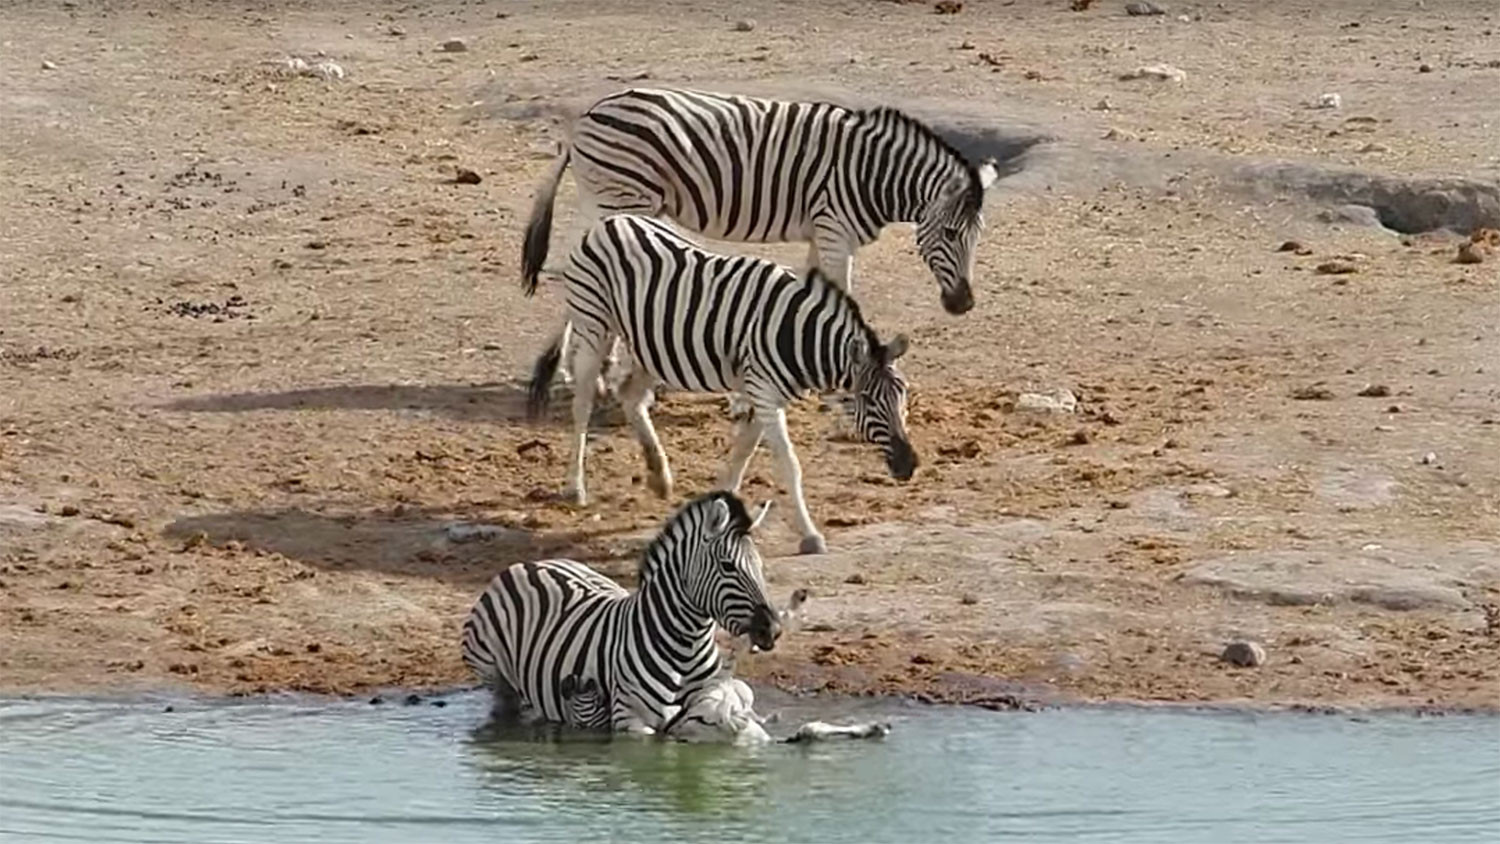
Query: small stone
[1430, 458]
[1079, 437]
[397, 31]
[948, 7]
[1336, 267]
[412, 700]
[454, 45]
[1312, 392]
[1141, 10]
[465, 176]
[46, 65]
[968, 599]
[1060, 401]
[1424, 68]
[1330, 101]
[1374, 391]
[1469, 253]
[1244, 654]
[1103, 105]
[745, 25]
[68, 510]
[1296, 247]
[1163, 72]
[855, 579]
[314, 647]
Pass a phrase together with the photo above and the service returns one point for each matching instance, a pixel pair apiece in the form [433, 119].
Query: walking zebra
[541, 622]
[760, 171]
[702, 322]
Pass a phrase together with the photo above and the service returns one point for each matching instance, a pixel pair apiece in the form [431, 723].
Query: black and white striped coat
[698, 321]
[541, 623]
[756, 170]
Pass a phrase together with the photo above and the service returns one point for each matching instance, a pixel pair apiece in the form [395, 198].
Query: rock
[1336, 267]
[1294, 246]
[328, 71]
[1374, 391]
[1424, 68]
[745, 25]
[46, 65]
[465, 176]
[1141, 10]
[1430, 458]
[1469, 252]
[1058, 401]
[1163, 72]
[948, 7]
[1244, 654]
[397, 31]
[1103, 105]
[1330, 101]
[1359, 215]
[454, 45]
[1312, 392]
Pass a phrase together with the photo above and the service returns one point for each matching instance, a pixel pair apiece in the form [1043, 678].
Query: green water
[305, 770]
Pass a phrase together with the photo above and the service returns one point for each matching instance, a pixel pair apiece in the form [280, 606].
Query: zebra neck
[675, 630]
[897, 175]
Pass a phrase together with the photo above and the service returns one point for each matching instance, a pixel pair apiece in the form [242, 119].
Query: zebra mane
[973, 198]
[739, 522]
[840, 294]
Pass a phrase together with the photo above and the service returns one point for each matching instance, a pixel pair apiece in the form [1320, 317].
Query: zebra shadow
[499, 400]
[409, 541]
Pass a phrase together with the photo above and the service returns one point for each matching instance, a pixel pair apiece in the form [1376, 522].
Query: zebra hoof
[812, 545]
[576, 497]
[660, 485]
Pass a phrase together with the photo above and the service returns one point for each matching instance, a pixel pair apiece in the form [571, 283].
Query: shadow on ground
[410, 542]
[500, 400]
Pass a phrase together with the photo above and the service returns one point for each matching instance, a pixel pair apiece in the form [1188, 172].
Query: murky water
[313, 770]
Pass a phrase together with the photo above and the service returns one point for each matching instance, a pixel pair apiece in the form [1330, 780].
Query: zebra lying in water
[759, 171]
[703, 322]
[541, 622]
[720, 711]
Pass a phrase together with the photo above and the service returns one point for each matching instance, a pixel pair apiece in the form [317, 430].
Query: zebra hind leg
[587, 361]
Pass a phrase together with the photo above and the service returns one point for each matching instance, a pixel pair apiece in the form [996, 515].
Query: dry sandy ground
[257, 350]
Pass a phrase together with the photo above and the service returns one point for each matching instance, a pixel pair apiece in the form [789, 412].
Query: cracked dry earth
[259, 352]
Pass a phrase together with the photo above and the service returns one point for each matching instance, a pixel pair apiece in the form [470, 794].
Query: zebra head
[949, 230]
[584, 705]
[723, 574]
[879, 405]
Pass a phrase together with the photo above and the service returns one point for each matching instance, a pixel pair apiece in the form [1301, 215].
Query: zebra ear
[896, 348]
[987, 173]
[760, 515]
[718, 520]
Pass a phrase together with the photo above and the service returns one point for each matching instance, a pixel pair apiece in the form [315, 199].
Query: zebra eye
[950, 232]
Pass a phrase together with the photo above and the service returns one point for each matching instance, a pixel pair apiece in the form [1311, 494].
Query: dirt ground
[258, 350]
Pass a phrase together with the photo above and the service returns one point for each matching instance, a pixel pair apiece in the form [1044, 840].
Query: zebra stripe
[540, 624]
[702, 322]
[755, 170]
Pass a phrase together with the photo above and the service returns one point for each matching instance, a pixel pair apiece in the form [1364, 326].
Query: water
[304, 770]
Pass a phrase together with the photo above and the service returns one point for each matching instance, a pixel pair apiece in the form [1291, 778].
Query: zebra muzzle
[901, 460]
[765, 628]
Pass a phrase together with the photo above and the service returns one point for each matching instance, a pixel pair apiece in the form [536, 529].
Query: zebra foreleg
[635, 399]
[774, 425]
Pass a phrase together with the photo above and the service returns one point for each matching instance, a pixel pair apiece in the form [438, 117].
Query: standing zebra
[539, 624]
[765, 171]
[702, 322]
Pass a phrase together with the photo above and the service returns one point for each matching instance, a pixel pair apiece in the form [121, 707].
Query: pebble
[1312, 392]
[1060, 401]
[454, 45]
[1164, 72]
[1294, 246]
[745, 25]
[1330, 101]
[1374, 391]
[1143, 9]
[1469, 253]
[46, 65]
[1430, 458]
[1244, 654]
[1336, 268]
[465, 176]
[1424, 68]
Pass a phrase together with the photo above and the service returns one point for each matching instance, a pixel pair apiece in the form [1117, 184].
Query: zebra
[698, 321]
[538, 623]
[754, 170]
[585, 706]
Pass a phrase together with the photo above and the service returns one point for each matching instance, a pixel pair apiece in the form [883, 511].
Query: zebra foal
[702, 322]
[559, 641]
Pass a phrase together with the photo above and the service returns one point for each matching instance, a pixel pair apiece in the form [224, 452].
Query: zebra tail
[540, 387]
[539, 226]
